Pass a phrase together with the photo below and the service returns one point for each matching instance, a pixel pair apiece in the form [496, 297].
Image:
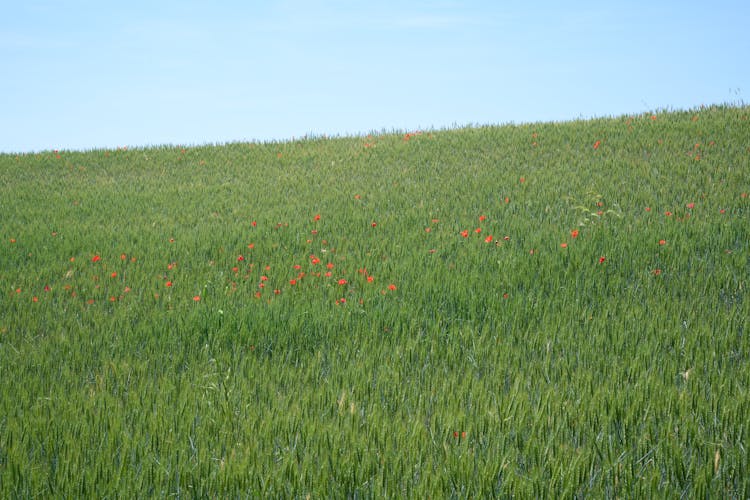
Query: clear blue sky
[93, 74]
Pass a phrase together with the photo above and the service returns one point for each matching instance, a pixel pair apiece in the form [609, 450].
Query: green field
[539, 310]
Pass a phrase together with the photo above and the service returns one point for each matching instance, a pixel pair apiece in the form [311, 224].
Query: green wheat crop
[540, 310]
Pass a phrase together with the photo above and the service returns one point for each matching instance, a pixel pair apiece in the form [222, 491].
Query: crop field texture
[539, 310]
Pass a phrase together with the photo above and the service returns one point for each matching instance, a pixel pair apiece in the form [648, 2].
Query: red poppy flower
[370, 279]
[574, 233]
[690, 205]
[342, 281]
[596, 144]
[602, 259]
[96, 258]
[240, 258]
[392, 287]
[488, 239]
[482, 218]
[563, 245]
[197, 298]
[168, 284]
[292, 282]
[662, 242]
[465, 233]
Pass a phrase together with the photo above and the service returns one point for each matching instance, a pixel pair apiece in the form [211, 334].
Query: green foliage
[550, 310]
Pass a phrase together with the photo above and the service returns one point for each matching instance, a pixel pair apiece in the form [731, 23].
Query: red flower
[96, 258]
[662, 242]
[465, 233]
[240, 258]
[47, 288]
[329, 265]
[342, 281]
[488, 239]
[317, 217]
[113, 275]
[478, 230]
[392, 287]
[374, 224]
[197, 298]
[690, 205]
[602, 259]
[168, 284]
[370, 279]
[656, 272]
[563, 245]
[482, 218]
[596, 144]
[574, 233]
[292, 282]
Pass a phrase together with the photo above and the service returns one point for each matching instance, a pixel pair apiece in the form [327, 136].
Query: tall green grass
[534, 310]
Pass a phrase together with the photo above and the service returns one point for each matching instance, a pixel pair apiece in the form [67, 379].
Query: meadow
[535, 310]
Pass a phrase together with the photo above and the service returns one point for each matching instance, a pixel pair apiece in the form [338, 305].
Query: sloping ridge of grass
[549, 309]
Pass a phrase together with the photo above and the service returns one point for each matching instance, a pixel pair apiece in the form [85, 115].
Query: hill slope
[542, 309]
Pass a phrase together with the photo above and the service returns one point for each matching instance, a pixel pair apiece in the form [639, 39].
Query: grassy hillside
[533, 310]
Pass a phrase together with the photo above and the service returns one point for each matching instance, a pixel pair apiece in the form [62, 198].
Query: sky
[90, 74]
